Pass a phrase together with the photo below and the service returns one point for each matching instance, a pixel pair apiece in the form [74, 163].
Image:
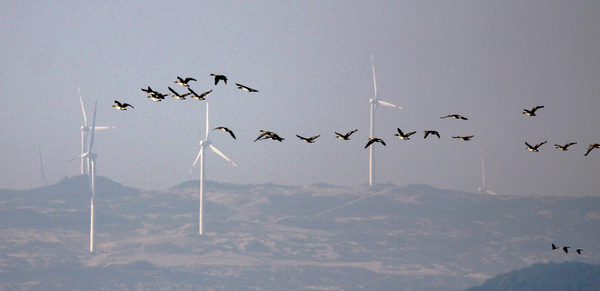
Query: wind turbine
[483, 189]
[90, 161]
[374, 102]
[84, 132]
[42, 166]
[203, 144]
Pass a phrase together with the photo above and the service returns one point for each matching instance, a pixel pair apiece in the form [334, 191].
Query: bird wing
[369, 143]
[437, 133]
[205, 93]
[400, 132]
[528, 145]
[118, 103]
[230, 132]
[382, 142]
[173, 91]
[189, 79]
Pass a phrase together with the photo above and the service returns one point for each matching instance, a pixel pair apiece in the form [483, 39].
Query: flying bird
[218, 78]
[121, 106]
[374, 139]
[534, 148]
[554, 247]
[532, 111]
[177, 95]
[455, 116]
[591, 147]
[432, 132]
[184, 82]
[566, 249]
[565, 147]
[345, 136]
[201, 96]
[245, 88]
[465, 138]
[308, 139]
[225, 129]
[149, 91]
[579, 251]
[403, 136]
[269, 135]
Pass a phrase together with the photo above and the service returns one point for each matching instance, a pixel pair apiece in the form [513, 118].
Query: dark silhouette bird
[149, 91]
[403, 136]
[565, 147]
[184, 82]
[269, 135]
[374, 139]
[532, 111]
[225, 129]
[308, 139]
[121, 106]
[154, 95]
[455, 116]
[554, 247]
[199, 97]
[465, 138]
[566, 249]
[535, 148]
[432, 132]
[245, 88]
[579, 251]
[218, 78]
[177, 95]
[345, 136]
[591, 147]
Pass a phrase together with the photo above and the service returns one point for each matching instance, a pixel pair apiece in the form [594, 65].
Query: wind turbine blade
[383, 103]
[214, 149]
[491, 192]
[82, 108]
[93, 129]
[374, 80]
[207, 131]
[197, 158]
[105, 127]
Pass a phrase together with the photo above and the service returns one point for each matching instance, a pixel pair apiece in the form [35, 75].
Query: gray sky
[311, 62]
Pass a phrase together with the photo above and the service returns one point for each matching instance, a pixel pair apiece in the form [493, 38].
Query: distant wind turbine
[483, 189]
[84, 133]
[90, 162]
[374, 102]
[42, 166]
[204, 143]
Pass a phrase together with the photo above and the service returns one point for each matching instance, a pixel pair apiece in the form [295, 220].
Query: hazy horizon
[311, 62]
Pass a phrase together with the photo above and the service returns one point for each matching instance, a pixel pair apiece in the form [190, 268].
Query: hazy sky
[311, 62]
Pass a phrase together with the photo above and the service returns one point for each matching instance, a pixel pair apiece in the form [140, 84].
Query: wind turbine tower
[374, 102]
[203, 144]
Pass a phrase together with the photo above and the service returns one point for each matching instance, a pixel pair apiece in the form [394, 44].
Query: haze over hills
[279, 237]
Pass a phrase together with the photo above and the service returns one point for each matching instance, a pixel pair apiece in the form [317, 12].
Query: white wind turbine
[84, 132]
[204, 143]
[90, 161]
[483, 189]
[374, 102]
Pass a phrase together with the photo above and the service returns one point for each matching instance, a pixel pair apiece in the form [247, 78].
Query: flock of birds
[566, 249]
[158, 97]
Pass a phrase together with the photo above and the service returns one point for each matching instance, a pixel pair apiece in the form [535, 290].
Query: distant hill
[275, 237]
[547, 277]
